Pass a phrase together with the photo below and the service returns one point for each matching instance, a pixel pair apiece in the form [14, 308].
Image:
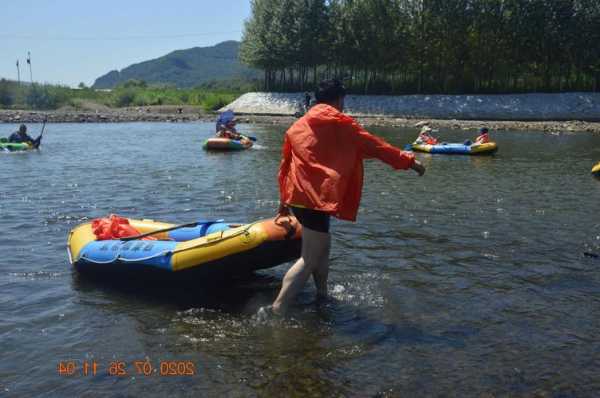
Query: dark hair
[22, 128]
[330, 90]
[483, 130]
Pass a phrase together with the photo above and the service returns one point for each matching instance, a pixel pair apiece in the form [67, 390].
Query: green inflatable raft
[6, 146]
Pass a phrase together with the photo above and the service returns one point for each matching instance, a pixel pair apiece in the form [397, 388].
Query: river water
[469, 281]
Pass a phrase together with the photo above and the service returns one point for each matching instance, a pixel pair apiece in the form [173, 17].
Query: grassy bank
[133, 93]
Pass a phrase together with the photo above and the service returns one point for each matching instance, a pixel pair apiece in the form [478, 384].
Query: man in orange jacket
[321, 175]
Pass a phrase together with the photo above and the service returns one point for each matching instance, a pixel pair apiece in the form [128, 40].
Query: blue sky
[74, 41]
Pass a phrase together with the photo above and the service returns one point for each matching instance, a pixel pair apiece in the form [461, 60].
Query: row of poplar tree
[426, 46]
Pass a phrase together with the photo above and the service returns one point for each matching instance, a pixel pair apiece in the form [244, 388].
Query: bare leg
[315, 248]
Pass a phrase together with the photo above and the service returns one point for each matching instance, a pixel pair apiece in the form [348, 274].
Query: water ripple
[470, 280]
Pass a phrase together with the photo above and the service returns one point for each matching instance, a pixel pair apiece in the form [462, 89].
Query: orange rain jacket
[322, 166]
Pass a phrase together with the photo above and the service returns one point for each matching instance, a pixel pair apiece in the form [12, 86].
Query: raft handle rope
[133, 260]
[221, 238]
[158, 231]
[118, 257]
[210, 242]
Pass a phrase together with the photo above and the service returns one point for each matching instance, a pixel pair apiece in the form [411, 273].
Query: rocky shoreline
[107, 115]
[194, 114]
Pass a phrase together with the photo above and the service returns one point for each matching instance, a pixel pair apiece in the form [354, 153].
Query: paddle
[592, 255]
[140, 236]
[249, 137]
[38, 141]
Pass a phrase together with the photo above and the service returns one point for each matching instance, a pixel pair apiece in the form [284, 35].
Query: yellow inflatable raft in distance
[596, 170]
[488, 148]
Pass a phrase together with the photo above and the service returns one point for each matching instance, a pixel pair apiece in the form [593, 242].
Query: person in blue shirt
[21, 137]
[226, 126]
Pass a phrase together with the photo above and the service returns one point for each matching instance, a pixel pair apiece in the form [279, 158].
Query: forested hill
[184, 68]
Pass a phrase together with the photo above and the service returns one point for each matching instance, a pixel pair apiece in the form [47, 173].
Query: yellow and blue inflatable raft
[596, 170]
[488, 148]
[186, 253]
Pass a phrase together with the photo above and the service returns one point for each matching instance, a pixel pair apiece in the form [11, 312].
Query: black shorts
[312, 219]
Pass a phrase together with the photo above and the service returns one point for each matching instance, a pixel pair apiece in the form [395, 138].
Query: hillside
[184, 68]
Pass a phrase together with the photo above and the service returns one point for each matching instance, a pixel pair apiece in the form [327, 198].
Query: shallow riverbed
[470, 280]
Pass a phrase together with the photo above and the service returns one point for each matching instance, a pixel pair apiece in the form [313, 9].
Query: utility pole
[18, 73]
[29, 63]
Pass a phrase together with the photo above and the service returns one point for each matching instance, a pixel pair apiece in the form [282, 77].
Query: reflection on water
[470, 281]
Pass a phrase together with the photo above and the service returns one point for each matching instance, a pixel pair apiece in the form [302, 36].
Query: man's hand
[283, 210]
[418, 167]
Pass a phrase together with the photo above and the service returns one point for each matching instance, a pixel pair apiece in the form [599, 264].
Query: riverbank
[563, 112]
[190, 114]
[108, 115]
[508, 107]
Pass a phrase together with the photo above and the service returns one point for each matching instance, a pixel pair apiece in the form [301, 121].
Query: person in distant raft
[321, 175]
[228, 130]
[21, 137]
[425, 137]
[226, 127]
[307, 99]
[483, 137]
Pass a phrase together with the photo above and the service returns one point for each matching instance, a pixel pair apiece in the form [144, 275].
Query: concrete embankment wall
[563, 106]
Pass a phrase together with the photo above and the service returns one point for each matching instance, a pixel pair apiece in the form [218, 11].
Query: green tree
[426, 46]
[7, 93]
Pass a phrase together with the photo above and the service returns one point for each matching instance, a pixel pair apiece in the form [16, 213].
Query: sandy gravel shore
[195, 114]
[108, 115]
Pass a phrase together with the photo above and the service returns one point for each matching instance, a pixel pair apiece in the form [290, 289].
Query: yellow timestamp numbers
[125, 369]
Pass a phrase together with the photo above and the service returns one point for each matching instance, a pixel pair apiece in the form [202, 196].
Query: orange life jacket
[114, 227]
[427, 139]
[482, 138]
